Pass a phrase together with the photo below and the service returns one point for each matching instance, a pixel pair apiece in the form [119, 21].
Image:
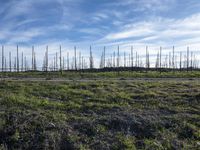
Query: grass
[112, 74]
[111, 114]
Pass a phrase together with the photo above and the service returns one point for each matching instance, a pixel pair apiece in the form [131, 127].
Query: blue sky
[100, 22]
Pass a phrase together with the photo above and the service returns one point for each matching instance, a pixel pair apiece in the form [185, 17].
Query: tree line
[119, 59]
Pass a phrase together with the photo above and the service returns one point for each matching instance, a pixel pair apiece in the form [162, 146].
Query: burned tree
[91, 59]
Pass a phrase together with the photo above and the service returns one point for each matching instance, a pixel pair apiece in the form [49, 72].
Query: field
[100, 114]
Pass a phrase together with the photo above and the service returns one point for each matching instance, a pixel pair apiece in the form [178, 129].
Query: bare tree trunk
[191, 61]
[132, 57]
[63, 66]
[147, 58]
[47, 61]
[67, 60]
[136, 59]
[114, 59]
[124, 59]
[91, 59]
[180, 61]
[35, 63]
[22, 66]
[17, 59]
[25, 64]
[60, 59]
[187, 58]
[32, 57]
[5, 65]
[118, 57]
[173, 58]
[10, 63]
[2, 59]
[75, 61]
[79, 64]
[104, 57]
[160, 57]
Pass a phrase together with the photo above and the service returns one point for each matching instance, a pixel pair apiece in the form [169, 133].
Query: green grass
[122, 74]
[100, 115]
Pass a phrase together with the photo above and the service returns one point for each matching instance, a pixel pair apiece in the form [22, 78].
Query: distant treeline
[117, 61]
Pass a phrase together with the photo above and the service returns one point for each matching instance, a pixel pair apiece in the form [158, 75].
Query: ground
[100, 114]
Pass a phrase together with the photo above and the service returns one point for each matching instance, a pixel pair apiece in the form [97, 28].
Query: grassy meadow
[114, 114]
[100, 74]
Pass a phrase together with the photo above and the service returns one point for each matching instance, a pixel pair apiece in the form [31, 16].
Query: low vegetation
[100, 74]
[100, 115]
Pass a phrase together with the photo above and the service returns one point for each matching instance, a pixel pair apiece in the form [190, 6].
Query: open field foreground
[101, 114]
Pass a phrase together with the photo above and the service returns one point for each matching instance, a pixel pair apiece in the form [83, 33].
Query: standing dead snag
[60, 59]
[25, 64]
[114, 59]
[79, 63]
[188, 51]
[22, 62]
[191, 61]
[91, 59]
[17, 59]
[180, 61]
[160, 57]
[32, 57]
[160, 60]
[46, 60]
[173, 58]
[118, 57]
[132, 57]
[104, 57]
[75, 61]
[67, 60]
[10, 63]
[147, 59]
[35, 63]
[2, 69]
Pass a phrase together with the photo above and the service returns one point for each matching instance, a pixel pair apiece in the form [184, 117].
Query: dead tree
[191, 61]
[160, 57]
[5, 65]
[188, 51]
[17, 59]
[63, 65]
[180, 60]
[2, 59]
[102, 61]
[132, 57]
[157, 61]
[75, 61]
[56, 61]
[79, 64]
[47, 61]
[136, 59]
[91, 59]
[104, 57]
[114, 59]
[173, 58]
[25, 64]
[60, 59]
[170, 62]
[35, 63]
[10, 63]
[32, 57]
[15, 64]
[67, 60]
[147, 58]
[22, 62]
[118, 57]
[124, 59]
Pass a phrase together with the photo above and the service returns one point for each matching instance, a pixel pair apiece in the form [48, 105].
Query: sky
[100, 23]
